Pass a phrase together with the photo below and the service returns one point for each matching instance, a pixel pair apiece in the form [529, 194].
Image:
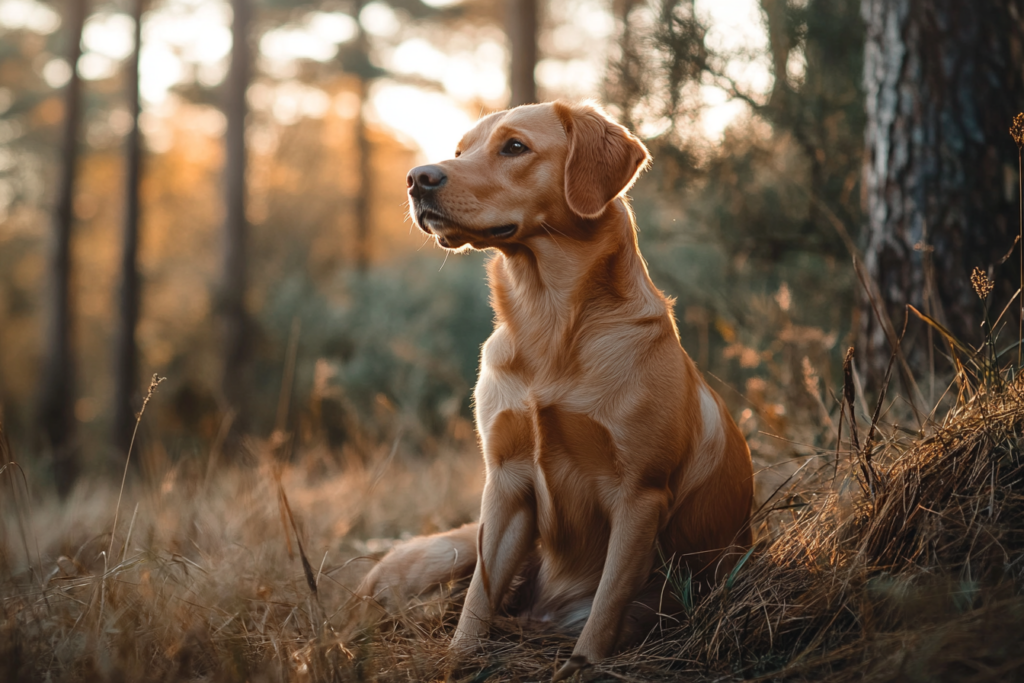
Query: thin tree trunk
[364, 201]
[126, 362]
[779, 45]
[56, 404]
[232, 294]
[624, 85]
[943, 81]
[522, 35]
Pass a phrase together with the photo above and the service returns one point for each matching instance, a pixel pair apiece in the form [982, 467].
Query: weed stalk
[1017, 133]
[153, 384]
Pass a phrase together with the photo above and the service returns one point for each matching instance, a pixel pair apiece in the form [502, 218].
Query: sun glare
[28, 14]
[401, 107]
[736, 29]
[189, 39]
[109, 35]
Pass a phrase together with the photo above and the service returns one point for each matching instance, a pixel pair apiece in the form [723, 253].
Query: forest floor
[897, 558]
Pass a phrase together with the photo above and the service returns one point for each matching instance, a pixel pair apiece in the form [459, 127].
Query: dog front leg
[627, 565]
[507, 532]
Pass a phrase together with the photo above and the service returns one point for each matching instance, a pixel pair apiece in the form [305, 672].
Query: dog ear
[603, 159]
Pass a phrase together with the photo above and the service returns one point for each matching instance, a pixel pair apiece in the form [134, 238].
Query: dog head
[525, 172]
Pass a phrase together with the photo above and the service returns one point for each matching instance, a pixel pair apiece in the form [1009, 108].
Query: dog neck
[573, 271]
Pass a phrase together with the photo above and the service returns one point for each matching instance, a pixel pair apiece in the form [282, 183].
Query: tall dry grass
[205, 581]
[900, 559]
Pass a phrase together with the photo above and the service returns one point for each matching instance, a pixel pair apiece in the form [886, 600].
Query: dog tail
[410, 569]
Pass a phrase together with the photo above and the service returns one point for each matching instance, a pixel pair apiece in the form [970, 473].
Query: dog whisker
[548, 229]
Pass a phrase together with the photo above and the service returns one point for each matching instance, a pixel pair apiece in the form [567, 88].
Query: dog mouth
[432, 222]
[503, 231]
[451, 234]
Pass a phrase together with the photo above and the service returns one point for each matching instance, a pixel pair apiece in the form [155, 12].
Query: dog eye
[513, 148]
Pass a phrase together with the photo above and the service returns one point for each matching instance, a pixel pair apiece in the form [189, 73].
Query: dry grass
[899, 562]
[205, 581]
[900, 559]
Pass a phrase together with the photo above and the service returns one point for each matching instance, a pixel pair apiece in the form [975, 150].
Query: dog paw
[575, 663]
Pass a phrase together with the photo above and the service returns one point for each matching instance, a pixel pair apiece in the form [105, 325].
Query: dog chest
[596, 376]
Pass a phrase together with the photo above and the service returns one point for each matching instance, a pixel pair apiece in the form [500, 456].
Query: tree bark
[943, 81]
[232, 295]
[56, 404]
[522, 35]
[126, 360]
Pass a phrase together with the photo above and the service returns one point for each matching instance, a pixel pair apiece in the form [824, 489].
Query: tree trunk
[364, 200]
[232, 294]
[56, 404]
[522, 35]
[125, 362]
[780, 44]
[943, 81]
[624, 83]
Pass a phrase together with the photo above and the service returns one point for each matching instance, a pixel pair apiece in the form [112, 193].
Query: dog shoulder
[498, 351]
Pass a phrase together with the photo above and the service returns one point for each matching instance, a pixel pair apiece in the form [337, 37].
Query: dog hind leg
[413, 568]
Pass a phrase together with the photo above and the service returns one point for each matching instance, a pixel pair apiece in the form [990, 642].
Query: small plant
[679, 580]
[153, 384]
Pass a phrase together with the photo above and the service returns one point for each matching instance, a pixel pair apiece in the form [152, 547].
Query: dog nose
[426, 178]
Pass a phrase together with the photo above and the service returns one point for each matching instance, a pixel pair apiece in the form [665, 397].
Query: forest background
[754, 112]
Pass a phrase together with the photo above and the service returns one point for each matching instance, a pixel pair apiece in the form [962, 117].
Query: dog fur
[602, 443]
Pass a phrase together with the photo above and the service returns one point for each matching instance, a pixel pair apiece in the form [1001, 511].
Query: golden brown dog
[602, 443]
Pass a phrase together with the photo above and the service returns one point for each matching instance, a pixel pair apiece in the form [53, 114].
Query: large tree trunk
[57, 395]
[943, 80]
[232, 293]
[522, 35]
[125, 362]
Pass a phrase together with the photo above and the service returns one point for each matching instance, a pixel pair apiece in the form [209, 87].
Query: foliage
[755, 236]
[409, 335]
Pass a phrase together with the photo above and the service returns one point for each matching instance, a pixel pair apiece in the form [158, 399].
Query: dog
[604, 447]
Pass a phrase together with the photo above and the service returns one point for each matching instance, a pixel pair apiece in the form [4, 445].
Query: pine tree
[943, 82]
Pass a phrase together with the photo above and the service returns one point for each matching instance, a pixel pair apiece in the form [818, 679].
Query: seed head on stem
[1017, 130]
[982, 285]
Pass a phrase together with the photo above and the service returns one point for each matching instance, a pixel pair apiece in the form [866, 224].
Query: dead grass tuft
[203, 581]
[915, 575]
